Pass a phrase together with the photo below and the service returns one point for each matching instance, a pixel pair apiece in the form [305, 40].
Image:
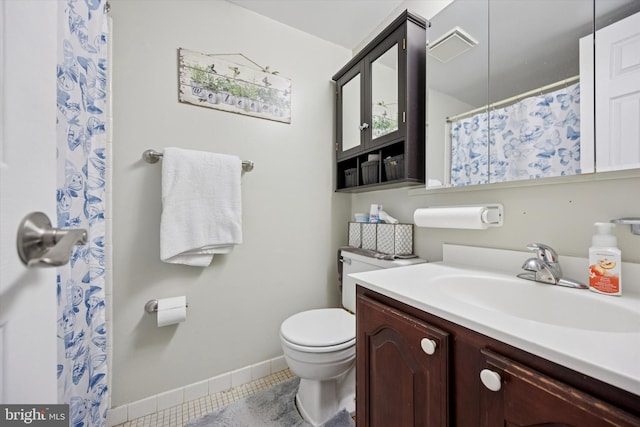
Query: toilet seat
[321, 330]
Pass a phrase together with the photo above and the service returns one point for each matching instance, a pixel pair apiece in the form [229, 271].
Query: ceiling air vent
[451, 44]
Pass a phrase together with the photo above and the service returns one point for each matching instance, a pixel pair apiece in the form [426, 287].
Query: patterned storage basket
[369, 234]
[395, 239]
[392, 239]
[355, 234]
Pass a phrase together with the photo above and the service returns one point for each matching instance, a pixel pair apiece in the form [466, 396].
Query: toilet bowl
[320, 346]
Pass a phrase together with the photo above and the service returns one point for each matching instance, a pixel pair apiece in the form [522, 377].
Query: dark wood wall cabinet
[416, 369]
[380, 110]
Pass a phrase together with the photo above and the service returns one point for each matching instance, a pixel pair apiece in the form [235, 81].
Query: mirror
[351, 114]
[511, 101]
[384, 93]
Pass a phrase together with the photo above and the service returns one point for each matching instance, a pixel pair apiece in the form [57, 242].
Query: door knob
[428, 346]
[491, 379]
[364, 126]
[41, 245]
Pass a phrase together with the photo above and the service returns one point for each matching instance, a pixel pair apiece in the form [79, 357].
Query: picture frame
[207, 80]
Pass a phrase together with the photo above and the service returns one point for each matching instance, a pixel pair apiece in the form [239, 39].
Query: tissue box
[392, 239]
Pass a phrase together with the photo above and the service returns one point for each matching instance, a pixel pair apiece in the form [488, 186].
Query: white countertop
[612, 357]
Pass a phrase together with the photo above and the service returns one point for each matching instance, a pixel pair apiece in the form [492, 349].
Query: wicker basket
[370, 172]
[350, 177]
[394, 167]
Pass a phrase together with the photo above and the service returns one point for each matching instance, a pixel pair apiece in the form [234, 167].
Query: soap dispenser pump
[605, 263]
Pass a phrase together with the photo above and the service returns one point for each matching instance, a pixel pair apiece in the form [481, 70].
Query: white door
[28, 310]
[618, 95]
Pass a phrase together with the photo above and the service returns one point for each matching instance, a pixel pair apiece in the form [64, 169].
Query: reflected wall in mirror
[384, 93]
[517, 102]
[457, 80]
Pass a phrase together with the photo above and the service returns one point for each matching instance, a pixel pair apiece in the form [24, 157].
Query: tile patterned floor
[178, 416]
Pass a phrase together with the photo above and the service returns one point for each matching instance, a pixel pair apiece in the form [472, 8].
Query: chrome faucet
[545, 268]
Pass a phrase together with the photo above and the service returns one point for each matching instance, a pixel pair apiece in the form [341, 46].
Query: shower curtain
[81, 166]
[536, 137]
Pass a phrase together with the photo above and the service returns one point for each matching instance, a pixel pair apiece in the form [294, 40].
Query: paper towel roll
[465, 217]
[172, 310]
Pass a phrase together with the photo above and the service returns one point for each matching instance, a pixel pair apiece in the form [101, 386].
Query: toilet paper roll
[465, 217]
[172, 310]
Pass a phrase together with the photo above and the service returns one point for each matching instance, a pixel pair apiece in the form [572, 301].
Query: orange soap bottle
[605, 261]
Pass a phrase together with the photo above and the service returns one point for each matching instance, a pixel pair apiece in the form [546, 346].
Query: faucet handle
[542, 271]
[545, 253]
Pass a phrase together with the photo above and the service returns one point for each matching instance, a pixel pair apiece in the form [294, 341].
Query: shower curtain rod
[152, 156]
[513, 99]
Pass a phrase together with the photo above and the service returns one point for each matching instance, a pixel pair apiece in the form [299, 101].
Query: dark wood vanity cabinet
[528, 398]
[402, 369]
[398, 384]
[380, 109]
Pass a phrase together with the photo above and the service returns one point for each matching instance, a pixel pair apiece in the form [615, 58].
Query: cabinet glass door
[384, 93]
[351, 114]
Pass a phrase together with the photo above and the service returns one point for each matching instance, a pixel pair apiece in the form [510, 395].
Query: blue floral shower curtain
[81, 166]
[536, 137]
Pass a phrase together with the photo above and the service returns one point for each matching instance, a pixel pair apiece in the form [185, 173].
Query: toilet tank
[357, 263]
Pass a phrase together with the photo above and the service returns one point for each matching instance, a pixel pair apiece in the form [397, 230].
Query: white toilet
[320, 346]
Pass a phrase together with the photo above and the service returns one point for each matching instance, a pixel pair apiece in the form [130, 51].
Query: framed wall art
[208, 80]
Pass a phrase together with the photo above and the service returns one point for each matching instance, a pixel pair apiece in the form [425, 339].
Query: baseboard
[178, 396]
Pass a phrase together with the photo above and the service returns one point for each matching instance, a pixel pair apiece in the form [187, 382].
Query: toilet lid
[320, 328]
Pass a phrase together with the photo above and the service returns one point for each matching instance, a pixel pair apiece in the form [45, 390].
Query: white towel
[201, 206]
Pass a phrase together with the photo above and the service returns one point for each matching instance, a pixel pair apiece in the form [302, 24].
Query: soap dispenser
[605, 261]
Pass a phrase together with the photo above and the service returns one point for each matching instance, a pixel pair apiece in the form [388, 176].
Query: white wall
[426, 9]
[292, 220]
[559, 213]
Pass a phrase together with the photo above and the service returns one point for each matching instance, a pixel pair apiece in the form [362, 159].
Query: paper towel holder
[488, 215]
[152, 306]
[493, 215]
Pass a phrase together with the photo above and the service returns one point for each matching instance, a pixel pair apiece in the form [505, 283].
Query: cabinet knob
[364, 126]
[491, 379]
[428, 346]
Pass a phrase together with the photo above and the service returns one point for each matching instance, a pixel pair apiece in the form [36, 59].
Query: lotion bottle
[605, 261]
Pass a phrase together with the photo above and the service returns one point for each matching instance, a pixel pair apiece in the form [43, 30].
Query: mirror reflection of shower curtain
[470, 151]
[536, 137]
[81, 164]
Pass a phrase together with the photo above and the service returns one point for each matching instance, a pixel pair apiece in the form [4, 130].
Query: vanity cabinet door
[525, 397]
[402, 372]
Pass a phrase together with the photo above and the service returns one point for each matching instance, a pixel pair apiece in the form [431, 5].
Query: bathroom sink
[548, 304]
[477, 288]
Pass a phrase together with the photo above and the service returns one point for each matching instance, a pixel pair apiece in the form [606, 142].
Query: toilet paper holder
[152, 306]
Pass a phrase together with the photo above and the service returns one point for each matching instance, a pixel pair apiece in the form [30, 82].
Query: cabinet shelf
[380, 109]
[391, 170]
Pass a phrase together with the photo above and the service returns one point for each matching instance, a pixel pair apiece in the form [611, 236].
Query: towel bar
[152, 156]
